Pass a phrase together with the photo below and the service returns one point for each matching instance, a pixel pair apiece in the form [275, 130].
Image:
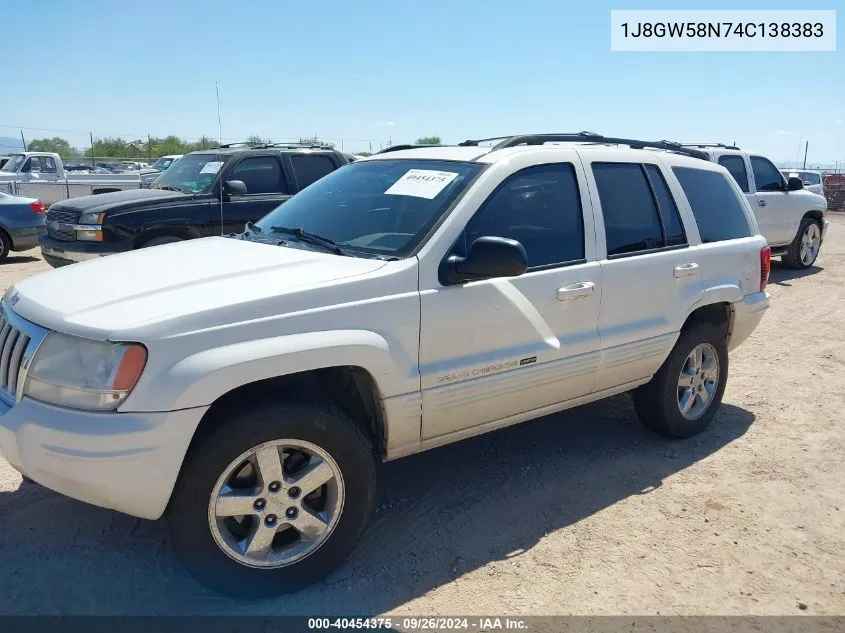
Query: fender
[200, 379]
[723, 293]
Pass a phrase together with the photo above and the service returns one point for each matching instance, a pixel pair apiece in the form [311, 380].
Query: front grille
[60, 224]
[13, 344]
[19, 340]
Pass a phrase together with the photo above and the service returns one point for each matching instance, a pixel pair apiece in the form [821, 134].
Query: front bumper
[27, 238]
[825, 225]
[60, 253]
[747, 315]
[127, 462]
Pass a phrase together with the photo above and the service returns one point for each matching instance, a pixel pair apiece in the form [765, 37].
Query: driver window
[766, 175]
[540, 207]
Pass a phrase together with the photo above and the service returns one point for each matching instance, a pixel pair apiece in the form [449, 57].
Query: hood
[118, 199]
[111, 296]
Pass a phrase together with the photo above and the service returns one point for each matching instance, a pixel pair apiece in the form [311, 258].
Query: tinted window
[766, 176]
[717, 210]
[260, 174]
[672, 227]
[540, 207]
[310, 168]
[814, 179]
[631, 222]
[736, 165]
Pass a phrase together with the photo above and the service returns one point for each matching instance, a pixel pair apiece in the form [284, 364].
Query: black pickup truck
[205, 193]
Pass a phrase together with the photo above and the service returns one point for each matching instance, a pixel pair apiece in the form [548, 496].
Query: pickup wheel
[804, 250]
[683, 397]
[273, 499]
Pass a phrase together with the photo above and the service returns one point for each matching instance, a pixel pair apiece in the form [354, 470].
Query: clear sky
[382, 70]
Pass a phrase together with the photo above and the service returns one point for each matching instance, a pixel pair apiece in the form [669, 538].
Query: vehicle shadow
[439, 515]
[780, 275]
[21, 259]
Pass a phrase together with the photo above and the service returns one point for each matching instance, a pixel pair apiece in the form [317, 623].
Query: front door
[265, 190]
[497, 348]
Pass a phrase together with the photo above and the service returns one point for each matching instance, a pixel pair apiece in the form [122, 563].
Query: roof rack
[287, 145]
[397, 148]
[586, 137]
[721, 145]
[226, 145]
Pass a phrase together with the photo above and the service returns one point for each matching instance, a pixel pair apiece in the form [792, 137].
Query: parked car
[21, 223]
[243, 388]
[149, 174]
[790, 218]
[813, 180]
[204, 193]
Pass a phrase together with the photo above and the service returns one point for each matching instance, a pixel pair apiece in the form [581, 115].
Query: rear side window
[766, 175]
[717, 209]
[631, 221]
[736, 165]
[672, 227]
[260, 174]
[310, 168]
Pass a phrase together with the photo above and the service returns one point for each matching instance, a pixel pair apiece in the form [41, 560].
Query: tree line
[155, 146]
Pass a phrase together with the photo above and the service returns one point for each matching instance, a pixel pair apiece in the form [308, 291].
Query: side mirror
[234, 187]
[488, 257]
[794, 184]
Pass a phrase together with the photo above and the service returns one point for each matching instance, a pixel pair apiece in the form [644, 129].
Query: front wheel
[683, 397]
[804, 250]
[273, 500]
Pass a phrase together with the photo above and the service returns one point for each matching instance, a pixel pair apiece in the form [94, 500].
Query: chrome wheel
[276, 503]
[810, 244]
[698, 381]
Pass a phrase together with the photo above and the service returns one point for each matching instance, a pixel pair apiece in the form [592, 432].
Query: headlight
[92, 217]
[81, 374]
[95, 221]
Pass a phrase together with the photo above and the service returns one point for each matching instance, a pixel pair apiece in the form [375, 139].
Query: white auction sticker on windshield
[421, 183]
[212, 168]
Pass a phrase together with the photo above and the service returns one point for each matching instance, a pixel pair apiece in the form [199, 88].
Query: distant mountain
[10, 144]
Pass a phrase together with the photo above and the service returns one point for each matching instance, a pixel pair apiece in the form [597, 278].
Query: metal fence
[52, 192]
[834, 191]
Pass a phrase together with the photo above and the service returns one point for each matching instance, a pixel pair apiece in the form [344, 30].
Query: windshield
[193, 173]
[382, 207]
[15, 161]
[162, 163]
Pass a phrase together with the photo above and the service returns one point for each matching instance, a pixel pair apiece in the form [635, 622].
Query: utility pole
[23, 140]
[806, 146]
[91, 136]
[150, 147]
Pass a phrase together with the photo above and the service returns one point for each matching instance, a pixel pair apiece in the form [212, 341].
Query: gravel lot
[582, 512]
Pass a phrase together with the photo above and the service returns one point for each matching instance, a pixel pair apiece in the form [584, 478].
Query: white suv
[243, 387]
[790, 217]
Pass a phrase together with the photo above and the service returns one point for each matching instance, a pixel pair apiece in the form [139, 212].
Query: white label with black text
[421, 183]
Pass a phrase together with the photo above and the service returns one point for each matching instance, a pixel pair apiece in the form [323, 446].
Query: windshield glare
[191, 174]
[15, 161]
[381, 207]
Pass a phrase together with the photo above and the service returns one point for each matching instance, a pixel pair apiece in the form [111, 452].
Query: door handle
[761, 203]
[686, 270]
[578, 290]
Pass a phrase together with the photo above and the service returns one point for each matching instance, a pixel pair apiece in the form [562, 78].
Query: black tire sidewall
[657, 404]
[188, 512]
[160, 241]
[5, 246]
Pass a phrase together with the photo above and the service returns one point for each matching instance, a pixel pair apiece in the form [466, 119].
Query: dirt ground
[579, 513]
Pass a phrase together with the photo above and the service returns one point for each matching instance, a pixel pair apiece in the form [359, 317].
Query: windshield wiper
[310, 238]
[170, 188]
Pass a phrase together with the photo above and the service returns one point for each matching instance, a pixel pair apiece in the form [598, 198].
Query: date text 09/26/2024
[492, 623]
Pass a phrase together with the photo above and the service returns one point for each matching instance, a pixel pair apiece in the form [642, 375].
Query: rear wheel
[273, 500]
[804, 250]
[684, 395]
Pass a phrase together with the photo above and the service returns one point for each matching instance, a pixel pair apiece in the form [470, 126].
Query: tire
[5, 245]
[189, 516]
[809, 235]
[658, 402]
[158, 241]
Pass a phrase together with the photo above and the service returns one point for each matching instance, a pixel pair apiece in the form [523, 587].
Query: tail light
[765, 266]
[38, 206]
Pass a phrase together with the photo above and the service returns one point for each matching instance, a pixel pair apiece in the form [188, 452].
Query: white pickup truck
[790, 217]
[242, 387]
[42, 175]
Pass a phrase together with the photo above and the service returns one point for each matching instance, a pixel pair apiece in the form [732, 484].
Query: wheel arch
[183, 233]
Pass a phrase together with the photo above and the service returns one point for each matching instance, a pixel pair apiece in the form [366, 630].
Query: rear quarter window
[718, 211]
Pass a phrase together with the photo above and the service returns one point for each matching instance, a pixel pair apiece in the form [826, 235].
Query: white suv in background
[813, 180]
[243, 387]
[790, 217]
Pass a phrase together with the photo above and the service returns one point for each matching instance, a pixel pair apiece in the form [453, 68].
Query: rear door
[651, 274]
[774, 208]
[266, 188]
